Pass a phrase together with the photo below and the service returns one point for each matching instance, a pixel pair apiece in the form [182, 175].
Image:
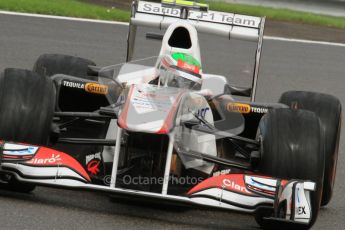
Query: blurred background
[327, 7]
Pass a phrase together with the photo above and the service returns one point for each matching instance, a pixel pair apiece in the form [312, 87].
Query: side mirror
[237, 90]
[154, 36]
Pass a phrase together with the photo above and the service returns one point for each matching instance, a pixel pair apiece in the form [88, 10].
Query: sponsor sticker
[72, 84]
[210, 16]
[202, 112]
[238, 107]
[90, 87]
[46, 157]
[93, 163]
[53, 159]
[231, 182]
[96, 88]
[222, 172]
[93, 166]
[90, 157]
[156, 8]
[232, 185]
[259, 110]
[301, 210]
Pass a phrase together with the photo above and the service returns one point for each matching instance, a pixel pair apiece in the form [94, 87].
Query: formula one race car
[170, 131]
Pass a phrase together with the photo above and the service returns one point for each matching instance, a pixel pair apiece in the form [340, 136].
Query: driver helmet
[180, 70]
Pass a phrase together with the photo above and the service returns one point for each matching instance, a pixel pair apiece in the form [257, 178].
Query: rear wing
[229, 25]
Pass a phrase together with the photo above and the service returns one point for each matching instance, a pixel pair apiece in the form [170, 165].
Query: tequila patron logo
[96, 88]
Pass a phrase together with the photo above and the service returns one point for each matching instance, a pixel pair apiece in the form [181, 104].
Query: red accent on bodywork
[284, 182]
[168, 122]
[17, 157]
[50, 157]
[122, 121]
[231, 182]
[272, 193]
[93, 167]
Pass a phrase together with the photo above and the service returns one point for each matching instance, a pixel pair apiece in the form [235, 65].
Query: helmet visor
[174, 77]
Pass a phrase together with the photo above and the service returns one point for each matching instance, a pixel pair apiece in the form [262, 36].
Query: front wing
[238, 192]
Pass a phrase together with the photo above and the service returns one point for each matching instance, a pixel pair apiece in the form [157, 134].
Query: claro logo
[55, 158]
[96, 88]
[238, 107]
[233, 186]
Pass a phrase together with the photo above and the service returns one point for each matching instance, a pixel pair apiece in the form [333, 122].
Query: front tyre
[328, 109]
[292, 148]
[27, 104]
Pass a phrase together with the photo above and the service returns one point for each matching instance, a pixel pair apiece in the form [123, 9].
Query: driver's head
[180, 70]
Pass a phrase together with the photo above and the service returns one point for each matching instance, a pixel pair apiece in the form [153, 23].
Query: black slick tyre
[292, 148]
[27, 104]
[329, 111]
[51, 64]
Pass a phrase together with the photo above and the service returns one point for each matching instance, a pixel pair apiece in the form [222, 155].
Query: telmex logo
[238, 107]
[96, 88]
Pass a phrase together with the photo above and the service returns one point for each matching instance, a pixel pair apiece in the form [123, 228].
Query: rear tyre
[292, 148]
[51, 64]
[27, 104]
[328, 109]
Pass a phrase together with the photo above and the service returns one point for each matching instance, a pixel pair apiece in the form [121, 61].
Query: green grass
[280, 14]
[71, 8]
[75, 8]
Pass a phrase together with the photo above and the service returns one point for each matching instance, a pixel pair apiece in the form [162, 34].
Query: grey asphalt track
[285, 66]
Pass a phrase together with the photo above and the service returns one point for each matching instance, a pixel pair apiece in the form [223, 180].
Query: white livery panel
[150, 109]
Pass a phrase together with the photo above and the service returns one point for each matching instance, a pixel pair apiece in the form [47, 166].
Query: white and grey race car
[168, 130]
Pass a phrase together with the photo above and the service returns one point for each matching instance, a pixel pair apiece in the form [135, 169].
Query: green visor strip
[186, 58]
